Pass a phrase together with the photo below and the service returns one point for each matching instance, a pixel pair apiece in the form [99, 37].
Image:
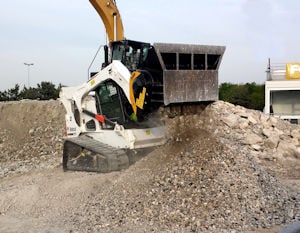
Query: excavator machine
[114, 117]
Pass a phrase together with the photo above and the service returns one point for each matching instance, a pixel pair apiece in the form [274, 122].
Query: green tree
[47, 91]
[4, 96]
[43, 91]
[240, 96]
[30, 93]
[225, 91]
[14, 93]
[249, 95]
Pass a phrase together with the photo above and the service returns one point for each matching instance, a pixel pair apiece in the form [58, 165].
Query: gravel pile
[197, 184]
[30, 136]
[208, 177]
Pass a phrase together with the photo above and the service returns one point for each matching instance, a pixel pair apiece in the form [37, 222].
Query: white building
[282, 91]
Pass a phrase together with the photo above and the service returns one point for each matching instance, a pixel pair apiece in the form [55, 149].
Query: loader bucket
[190, 72]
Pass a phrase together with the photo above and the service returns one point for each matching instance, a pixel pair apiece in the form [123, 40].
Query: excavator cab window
[118, 52]
[130, 53]
[132, 58]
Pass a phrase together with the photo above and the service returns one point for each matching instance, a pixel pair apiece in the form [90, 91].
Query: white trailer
[282, 92]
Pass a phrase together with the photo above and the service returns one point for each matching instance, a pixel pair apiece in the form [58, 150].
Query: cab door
[110, 102]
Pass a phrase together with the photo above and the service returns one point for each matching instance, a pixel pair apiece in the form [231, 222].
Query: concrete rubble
[217, 172]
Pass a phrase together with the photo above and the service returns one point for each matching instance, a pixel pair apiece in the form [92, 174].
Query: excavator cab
[131, 53]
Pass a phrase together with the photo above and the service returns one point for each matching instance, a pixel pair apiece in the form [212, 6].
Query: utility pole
[28, 70]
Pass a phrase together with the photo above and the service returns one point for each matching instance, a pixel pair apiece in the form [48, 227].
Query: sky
[61, 37]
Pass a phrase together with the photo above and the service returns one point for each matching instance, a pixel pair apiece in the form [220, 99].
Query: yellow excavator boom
[111, 18]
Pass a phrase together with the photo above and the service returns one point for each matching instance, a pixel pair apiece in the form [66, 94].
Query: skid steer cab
[119, 108]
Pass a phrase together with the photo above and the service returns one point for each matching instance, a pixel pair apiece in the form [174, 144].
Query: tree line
[249, 95]
[43, 91]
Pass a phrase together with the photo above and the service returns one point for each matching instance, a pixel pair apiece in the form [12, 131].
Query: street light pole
[28, 69]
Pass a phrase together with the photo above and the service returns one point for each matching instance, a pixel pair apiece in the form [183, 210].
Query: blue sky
[61, 37]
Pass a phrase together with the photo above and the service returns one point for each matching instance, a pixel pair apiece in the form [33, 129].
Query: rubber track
[96, 146]
[112, 159]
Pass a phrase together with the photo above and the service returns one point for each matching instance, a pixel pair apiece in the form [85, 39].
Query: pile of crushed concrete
[208, 178]
[266, 137]
[211, 176]
[31, 136]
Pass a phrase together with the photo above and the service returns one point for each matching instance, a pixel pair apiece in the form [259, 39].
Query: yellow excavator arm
[109, 13]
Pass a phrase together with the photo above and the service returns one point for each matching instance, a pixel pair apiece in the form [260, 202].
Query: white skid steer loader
[114, 117]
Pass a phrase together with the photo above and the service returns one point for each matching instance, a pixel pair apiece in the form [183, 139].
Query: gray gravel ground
[205, 179]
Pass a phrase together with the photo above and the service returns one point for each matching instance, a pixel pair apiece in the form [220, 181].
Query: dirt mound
[30, 135]
[222, 170]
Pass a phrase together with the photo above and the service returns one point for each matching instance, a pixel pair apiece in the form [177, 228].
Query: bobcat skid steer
[114, 118]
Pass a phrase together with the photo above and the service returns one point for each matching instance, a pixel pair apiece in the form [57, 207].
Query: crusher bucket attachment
[190, 72]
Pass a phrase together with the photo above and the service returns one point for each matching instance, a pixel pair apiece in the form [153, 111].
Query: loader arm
[109, 13]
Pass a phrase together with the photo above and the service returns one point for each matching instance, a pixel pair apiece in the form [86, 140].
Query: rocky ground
[224, 169]
[31, 136]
